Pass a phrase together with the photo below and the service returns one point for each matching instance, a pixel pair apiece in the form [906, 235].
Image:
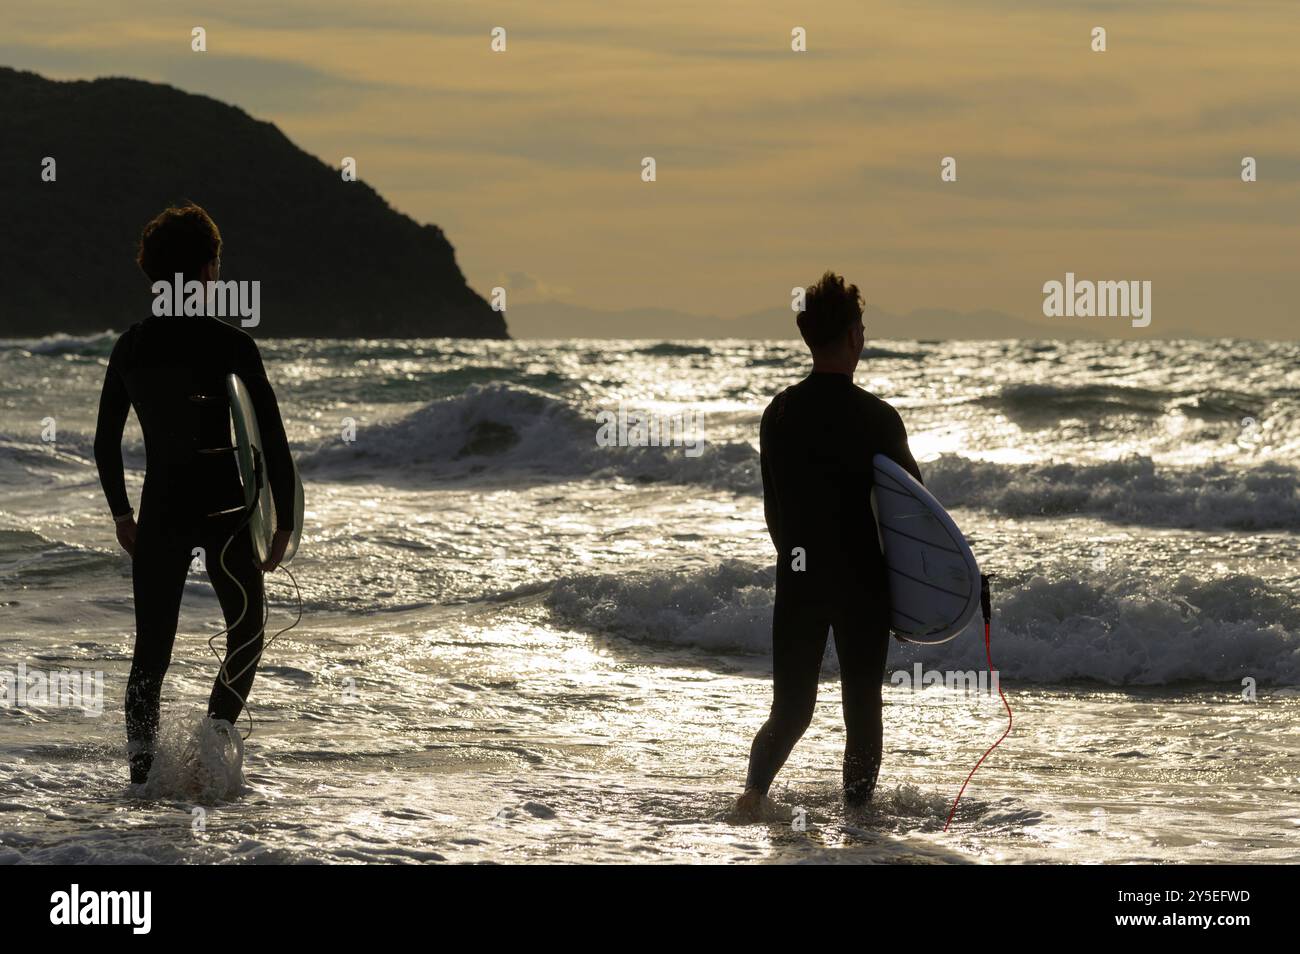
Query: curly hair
[830, 309]
[182, 238]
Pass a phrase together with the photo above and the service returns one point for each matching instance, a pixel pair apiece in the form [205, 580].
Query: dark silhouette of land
[552, 319]
[334, 259]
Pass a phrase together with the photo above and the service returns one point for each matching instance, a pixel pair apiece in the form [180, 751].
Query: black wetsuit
[173, 372]
[817, 440]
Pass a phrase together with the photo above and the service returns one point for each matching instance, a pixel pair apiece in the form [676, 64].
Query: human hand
[126, 532]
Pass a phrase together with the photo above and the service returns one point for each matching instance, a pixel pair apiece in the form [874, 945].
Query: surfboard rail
[253, 474]
[934, 579]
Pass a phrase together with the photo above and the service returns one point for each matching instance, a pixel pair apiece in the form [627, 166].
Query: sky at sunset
[773, 165]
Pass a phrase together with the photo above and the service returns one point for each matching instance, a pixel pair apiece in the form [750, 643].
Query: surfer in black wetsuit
[817, 440]
[173, 371]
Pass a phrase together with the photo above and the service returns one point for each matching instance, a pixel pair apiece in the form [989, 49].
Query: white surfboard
[248, 446]
[934, 581]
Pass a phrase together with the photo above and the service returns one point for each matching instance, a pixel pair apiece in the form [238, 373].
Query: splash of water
[199, 761]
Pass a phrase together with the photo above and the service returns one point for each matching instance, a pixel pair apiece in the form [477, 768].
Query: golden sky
[774, 165]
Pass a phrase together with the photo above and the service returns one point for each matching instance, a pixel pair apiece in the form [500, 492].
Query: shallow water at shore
[541, 650]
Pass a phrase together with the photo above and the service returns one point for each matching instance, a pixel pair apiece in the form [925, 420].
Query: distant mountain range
[559, 320]
[333, 258]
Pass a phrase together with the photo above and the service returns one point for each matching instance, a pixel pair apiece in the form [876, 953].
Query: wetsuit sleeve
[771, 503]
[900, 453]
[114, 404]
[275, 444]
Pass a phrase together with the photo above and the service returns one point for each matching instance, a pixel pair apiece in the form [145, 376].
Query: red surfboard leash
[986, 607]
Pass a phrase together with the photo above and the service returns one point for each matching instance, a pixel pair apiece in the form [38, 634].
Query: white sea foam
[199, 760]
[510, 429]
[1113, 628]
[58, 344]
[1132, 490]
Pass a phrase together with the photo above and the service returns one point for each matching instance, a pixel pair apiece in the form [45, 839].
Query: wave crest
[513, 429]
[1071, 624]
[1132, 490]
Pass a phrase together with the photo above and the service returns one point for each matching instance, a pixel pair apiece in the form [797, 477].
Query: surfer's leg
[862, 645]
[157, 580]
[244, 640]
[798, 644]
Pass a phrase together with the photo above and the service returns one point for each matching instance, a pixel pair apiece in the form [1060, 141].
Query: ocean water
[519, 645]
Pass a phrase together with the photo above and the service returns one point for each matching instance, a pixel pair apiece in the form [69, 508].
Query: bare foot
[749, 807]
